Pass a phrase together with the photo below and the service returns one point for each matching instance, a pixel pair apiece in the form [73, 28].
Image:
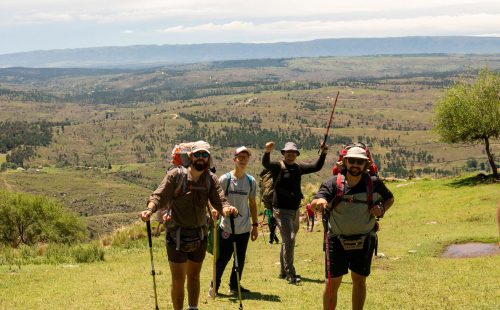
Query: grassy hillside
[428, 215]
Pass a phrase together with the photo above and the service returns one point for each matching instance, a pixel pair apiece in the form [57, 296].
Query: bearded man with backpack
[287, 197]
[185, 193]
[240, 190]
[352, 201]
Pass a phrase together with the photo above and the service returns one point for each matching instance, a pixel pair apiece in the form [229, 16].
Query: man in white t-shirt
[240, 190]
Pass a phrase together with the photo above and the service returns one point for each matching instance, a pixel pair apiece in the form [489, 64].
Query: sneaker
[234, 291]
[294, 279]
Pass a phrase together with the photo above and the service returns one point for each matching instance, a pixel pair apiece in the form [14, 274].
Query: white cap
[242, 149]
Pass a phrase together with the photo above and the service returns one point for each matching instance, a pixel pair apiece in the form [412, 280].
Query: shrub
[28, 219]
[87, 253]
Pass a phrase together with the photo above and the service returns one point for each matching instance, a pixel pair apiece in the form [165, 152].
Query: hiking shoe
[234, 291]
[282, 276]
[277, 240]
[294, 279]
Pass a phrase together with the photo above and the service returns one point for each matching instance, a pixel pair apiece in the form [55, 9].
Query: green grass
[428, 215]
[2, 158]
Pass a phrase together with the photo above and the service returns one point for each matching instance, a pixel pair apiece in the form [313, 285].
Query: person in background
[310, 217]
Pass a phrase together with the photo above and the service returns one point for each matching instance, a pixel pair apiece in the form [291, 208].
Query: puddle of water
[472, 249]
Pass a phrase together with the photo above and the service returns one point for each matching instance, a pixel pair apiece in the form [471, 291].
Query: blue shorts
[358, 261]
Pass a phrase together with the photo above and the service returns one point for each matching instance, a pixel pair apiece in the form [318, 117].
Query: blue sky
[27, 25]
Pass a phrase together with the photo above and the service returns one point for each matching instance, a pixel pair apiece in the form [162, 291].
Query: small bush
[51, 253]
[88, 253]
[125, 236]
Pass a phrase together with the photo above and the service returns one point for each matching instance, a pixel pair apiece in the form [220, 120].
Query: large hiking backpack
[267, 183]
[180, 155]
[339, 166]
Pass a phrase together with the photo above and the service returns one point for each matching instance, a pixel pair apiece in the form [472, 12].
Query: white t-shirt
[238, 193]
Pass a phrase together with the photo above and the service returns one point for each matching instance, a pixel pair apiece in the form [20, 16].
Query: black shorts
[196, 256]
[359, 261]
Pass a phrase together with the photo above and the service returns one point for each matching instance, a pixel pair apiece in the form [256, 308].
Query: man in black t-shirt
[287, 198]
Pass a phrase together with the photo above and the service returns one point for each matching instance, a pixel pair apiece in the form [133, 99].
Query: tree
[470, 113]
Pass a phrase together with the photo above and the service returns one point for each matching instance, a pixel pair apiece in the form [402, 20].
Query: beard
[200, 165]
[354, 171]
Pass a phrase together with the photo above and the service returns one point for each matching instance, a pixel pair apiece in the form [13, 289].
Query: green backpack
[267, 183]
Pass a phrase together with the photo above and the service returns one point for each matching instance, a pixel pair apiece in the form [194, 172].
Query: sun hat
[356, 152]
[200, 146]
[290, 146]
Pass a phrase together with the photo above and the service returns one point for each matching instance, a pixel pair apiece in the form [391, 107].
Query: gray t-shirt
[351, 216]
[237, 193]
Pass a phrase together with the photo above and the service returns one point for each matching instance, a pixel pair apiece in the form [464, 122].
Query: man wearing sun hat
[240, 189]
[352, 202]
[287, 198]
[185, 192]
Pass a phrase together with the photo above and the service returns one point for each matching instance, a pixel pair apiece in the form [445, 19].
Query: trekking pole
[236, 266]
[148, 228]
[330, 120]
[214, 264]
[327, 259]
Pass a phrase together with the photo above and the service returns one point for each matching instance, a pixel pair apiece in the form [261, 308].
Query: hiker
[310, 216]
[240, 190]
[186, 192]
[286, 199]
[271, 223]
[351, 221]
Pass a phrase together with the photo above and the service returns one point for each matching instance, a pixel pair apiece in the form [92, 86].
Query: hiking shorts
[359, 261]
[196, 256]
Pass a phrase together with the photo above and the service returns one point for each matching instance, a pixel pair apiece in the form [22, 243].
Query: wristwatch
[255, 224]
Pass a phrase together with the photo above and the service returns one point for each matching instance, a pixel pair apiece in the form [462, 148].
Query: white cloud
[132, 10]
[41, 18]
[425, 25]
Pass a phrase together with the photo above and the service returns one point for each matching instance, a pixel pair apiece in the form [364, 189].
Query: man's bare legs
[331, 300]
[193, 282]
[178, 271]
[358, 291]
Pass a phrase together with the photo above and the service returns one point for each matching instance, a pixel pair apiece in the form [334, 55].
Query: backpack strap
[369, 191]
[228, 177]
[282, 167]
[340, 190]
[249, 178]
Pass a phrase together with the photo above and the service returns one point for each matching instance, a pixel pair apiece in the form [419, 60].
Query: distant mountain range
[152, 55]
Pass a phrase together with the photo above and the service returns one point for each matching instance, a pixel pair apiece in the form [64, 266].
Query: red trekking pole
[327, 258]
[330, 120]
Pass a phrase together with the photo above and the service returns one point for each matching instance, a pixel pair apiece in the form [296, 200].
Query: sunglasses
[201, 154]
[358, 161]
